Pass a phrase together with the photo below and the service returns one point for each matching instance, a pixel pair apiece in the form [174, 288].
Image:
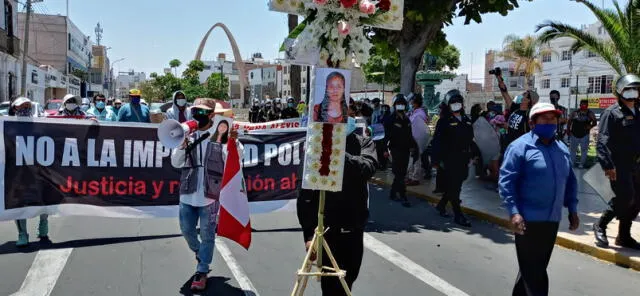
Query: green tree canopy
[423, 24]
[622, 51]
[527, 53]
[217, 87]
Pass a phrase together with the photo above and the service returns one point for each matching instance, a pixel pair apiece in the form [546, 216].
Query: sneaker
[23, 240]
[43, 229]
[199, 282]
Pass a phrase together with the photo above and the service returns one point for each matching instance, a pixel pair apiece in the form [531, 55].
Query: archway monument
[244, 81]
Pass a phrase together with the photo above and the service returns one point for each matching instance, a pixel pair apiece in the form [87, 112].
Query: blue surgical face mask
[290, 105]
[24, 112]
[351, 125]
[545, 131]
[100, 105]
[135, 100]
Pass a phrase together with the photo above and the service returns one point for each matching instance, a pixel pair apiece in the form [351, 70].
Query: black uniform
[273, 114]
[452, 150]
[256, 114]
[289, 112]
[345, 214]
[400, 141]
[619, 148]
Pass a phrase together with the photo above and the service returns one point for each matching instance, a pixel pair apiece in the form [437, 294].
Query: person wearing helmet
[100, 110]
[272, 113]
[400, 142]
[256, 113]
[179, 110]
[290, 111]
[71, 107]
[23, 107]
[134, 111]
[451, 148]
[618, 149]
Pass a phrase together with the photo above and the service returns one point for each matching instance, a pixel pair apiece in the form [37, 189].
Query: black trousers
[534, 250]
[626, 204]
[455, 173]
[399, 168]
[440, 180]
[347, 249]
[381, 148]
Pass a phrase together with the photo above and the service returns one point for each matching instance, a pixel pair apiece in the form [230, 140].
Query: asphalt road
[408, 252]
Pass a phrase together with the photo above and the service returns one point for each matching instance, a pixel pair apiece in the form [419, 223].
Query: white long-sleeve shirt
[178, 160]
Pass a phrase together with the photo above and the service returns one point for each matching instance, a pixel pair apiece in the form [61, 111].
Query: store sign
[607, 102]
[594, 103]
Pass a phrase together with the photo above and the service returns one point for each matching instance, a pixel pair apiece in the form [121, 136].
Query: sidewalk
[485, 204]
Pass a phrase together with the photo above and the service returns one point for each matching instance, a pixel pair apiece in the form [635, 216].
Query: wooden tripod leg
[301, 281]
[336, 268]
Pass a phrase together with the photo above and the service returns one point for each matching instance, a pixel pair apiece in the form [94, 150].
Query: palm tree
[174, 64]
[621, 51]
[527, 53]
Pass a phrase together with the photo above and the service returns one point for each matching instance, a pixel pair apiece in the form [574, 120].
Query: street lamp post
[113, 91]
[384, 78]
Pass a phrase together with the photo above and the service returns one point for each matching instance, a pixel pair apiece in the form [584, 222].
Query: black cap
[375, 100]
[399, 99]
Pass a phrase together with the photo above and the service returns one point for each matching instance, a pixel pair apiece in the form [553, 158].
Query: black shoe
[443, 213]
[406, 203]
[627, 243]
[462, 221]
[601, 236]
[438, 191]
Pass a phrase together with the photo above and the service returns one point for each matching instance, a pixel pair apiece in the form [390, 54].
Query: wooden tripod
[318, 244]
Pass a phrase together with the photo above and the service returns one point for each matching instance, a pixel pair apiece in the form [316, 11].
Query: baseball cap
[541, 108]
[19, 101]
[135, 92]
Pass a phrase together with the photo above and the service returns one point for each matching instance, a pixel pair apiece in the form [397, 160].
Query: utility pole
[571, 76]
[577, 91]
[25, 51]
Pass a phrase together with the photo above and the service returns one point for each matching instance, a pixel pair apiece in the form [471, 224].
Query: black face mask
[202, 119]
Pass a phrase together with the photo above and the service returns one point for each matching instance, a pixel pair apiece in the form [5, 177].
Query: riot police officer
[618, 150]
[256, 114]
[400, 142]
[452, 144]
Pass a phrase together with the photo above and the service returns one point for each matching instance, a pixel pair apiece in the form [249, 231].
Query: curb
[562, 240]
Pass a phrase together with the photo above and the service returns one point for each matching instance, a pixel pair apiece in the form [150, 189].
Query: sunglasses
[197, 111]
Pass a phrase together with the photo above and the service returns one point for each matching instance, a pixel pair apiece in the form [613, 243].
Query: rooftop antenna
[98, 33]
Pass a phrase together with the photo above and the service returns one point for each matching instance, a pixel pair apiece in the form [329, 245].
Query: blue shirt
[134, 113]
[536, 180]
[104, 115]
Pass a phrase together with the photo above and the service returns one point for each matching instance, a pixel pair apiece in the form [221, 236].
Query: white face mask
[630, 94]
[400, 107]
[71, 106]
[455, 107]
[181, 102]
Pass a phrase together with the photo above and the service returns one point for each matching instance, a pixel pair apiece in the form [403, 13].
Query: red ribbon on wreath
[327, 149]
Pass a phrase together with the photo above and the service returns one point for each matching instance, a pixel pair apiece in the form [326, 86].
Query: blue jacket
[536, 180]
[134, 113]
[104, 115]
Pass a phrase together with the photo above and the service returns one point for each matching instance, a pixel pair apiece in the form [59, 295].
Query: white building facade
[579, 76]
[128, 81]
[10, 66]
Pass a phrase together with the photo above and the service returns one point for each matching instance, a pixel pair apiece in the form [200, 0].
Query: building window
[600, 84]
[566, 55]
[34, 77]
[591, 54]
[546, 58]
[8, 17]
[566, 82]
[513, 83]
[285, 69]
[546, 83]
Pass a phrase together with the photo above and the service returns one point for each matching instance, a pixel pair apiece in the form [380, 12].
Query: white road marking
[44, 272]
[411, 267]
[236, 269]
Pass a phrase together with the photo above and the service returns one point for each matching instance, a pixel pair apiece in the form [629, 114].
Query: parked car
[38, 110]
[52, 107]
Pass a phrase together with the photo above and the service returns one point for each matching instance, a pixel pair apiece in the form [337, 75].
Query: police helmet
[399, 99]
[627, 81]
[453, 96]
[291, 100]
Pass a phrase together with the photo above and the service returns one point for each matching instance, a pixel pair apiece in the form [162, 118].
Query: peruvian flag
[234, 221]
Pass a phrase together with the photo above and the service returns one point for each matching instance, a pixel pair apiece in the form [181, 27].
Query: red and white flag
[234, 222]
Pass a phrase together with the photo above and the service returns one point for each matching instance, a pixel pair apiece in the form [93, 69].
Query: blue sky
[149, 33]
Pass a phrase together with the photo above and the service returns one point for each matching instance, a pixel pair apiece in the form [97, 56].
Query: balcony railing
[9, 44]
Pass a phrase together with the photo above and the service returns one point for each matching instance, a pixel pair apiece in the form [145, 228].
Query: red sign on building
[607, 102]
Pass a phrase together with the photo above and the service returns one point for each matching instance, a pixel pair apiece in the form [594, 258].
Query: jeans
[584, 148]
[208, 217]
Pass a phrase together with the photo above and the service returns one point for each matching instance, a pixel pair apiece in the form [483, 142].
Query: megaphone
[172, 133]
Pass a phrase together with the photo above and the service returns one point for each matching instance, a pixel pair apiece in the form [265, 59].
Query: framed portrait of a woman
[330, 95]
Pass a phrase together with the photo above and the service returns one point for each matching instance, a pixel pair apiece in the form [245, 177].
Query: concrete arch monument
[244, 82]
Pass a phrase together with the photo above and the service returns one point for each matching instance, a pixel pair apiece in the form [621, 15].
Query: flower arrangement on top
[336, 28]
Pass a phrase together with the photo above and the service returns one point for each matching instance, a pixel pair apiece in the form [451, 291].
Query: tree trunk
[411, 47]
[295, 70]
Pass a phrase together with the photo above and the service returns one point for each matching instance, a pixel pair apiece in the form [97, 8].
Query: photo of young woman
[330, 95]
[221, 134]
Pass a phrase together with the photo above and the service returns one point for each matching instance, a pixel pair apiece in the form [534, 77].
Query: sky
[150, 33]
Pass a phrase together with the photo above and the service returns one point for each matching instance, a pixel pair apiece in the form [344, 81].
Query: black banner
[54, 162]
